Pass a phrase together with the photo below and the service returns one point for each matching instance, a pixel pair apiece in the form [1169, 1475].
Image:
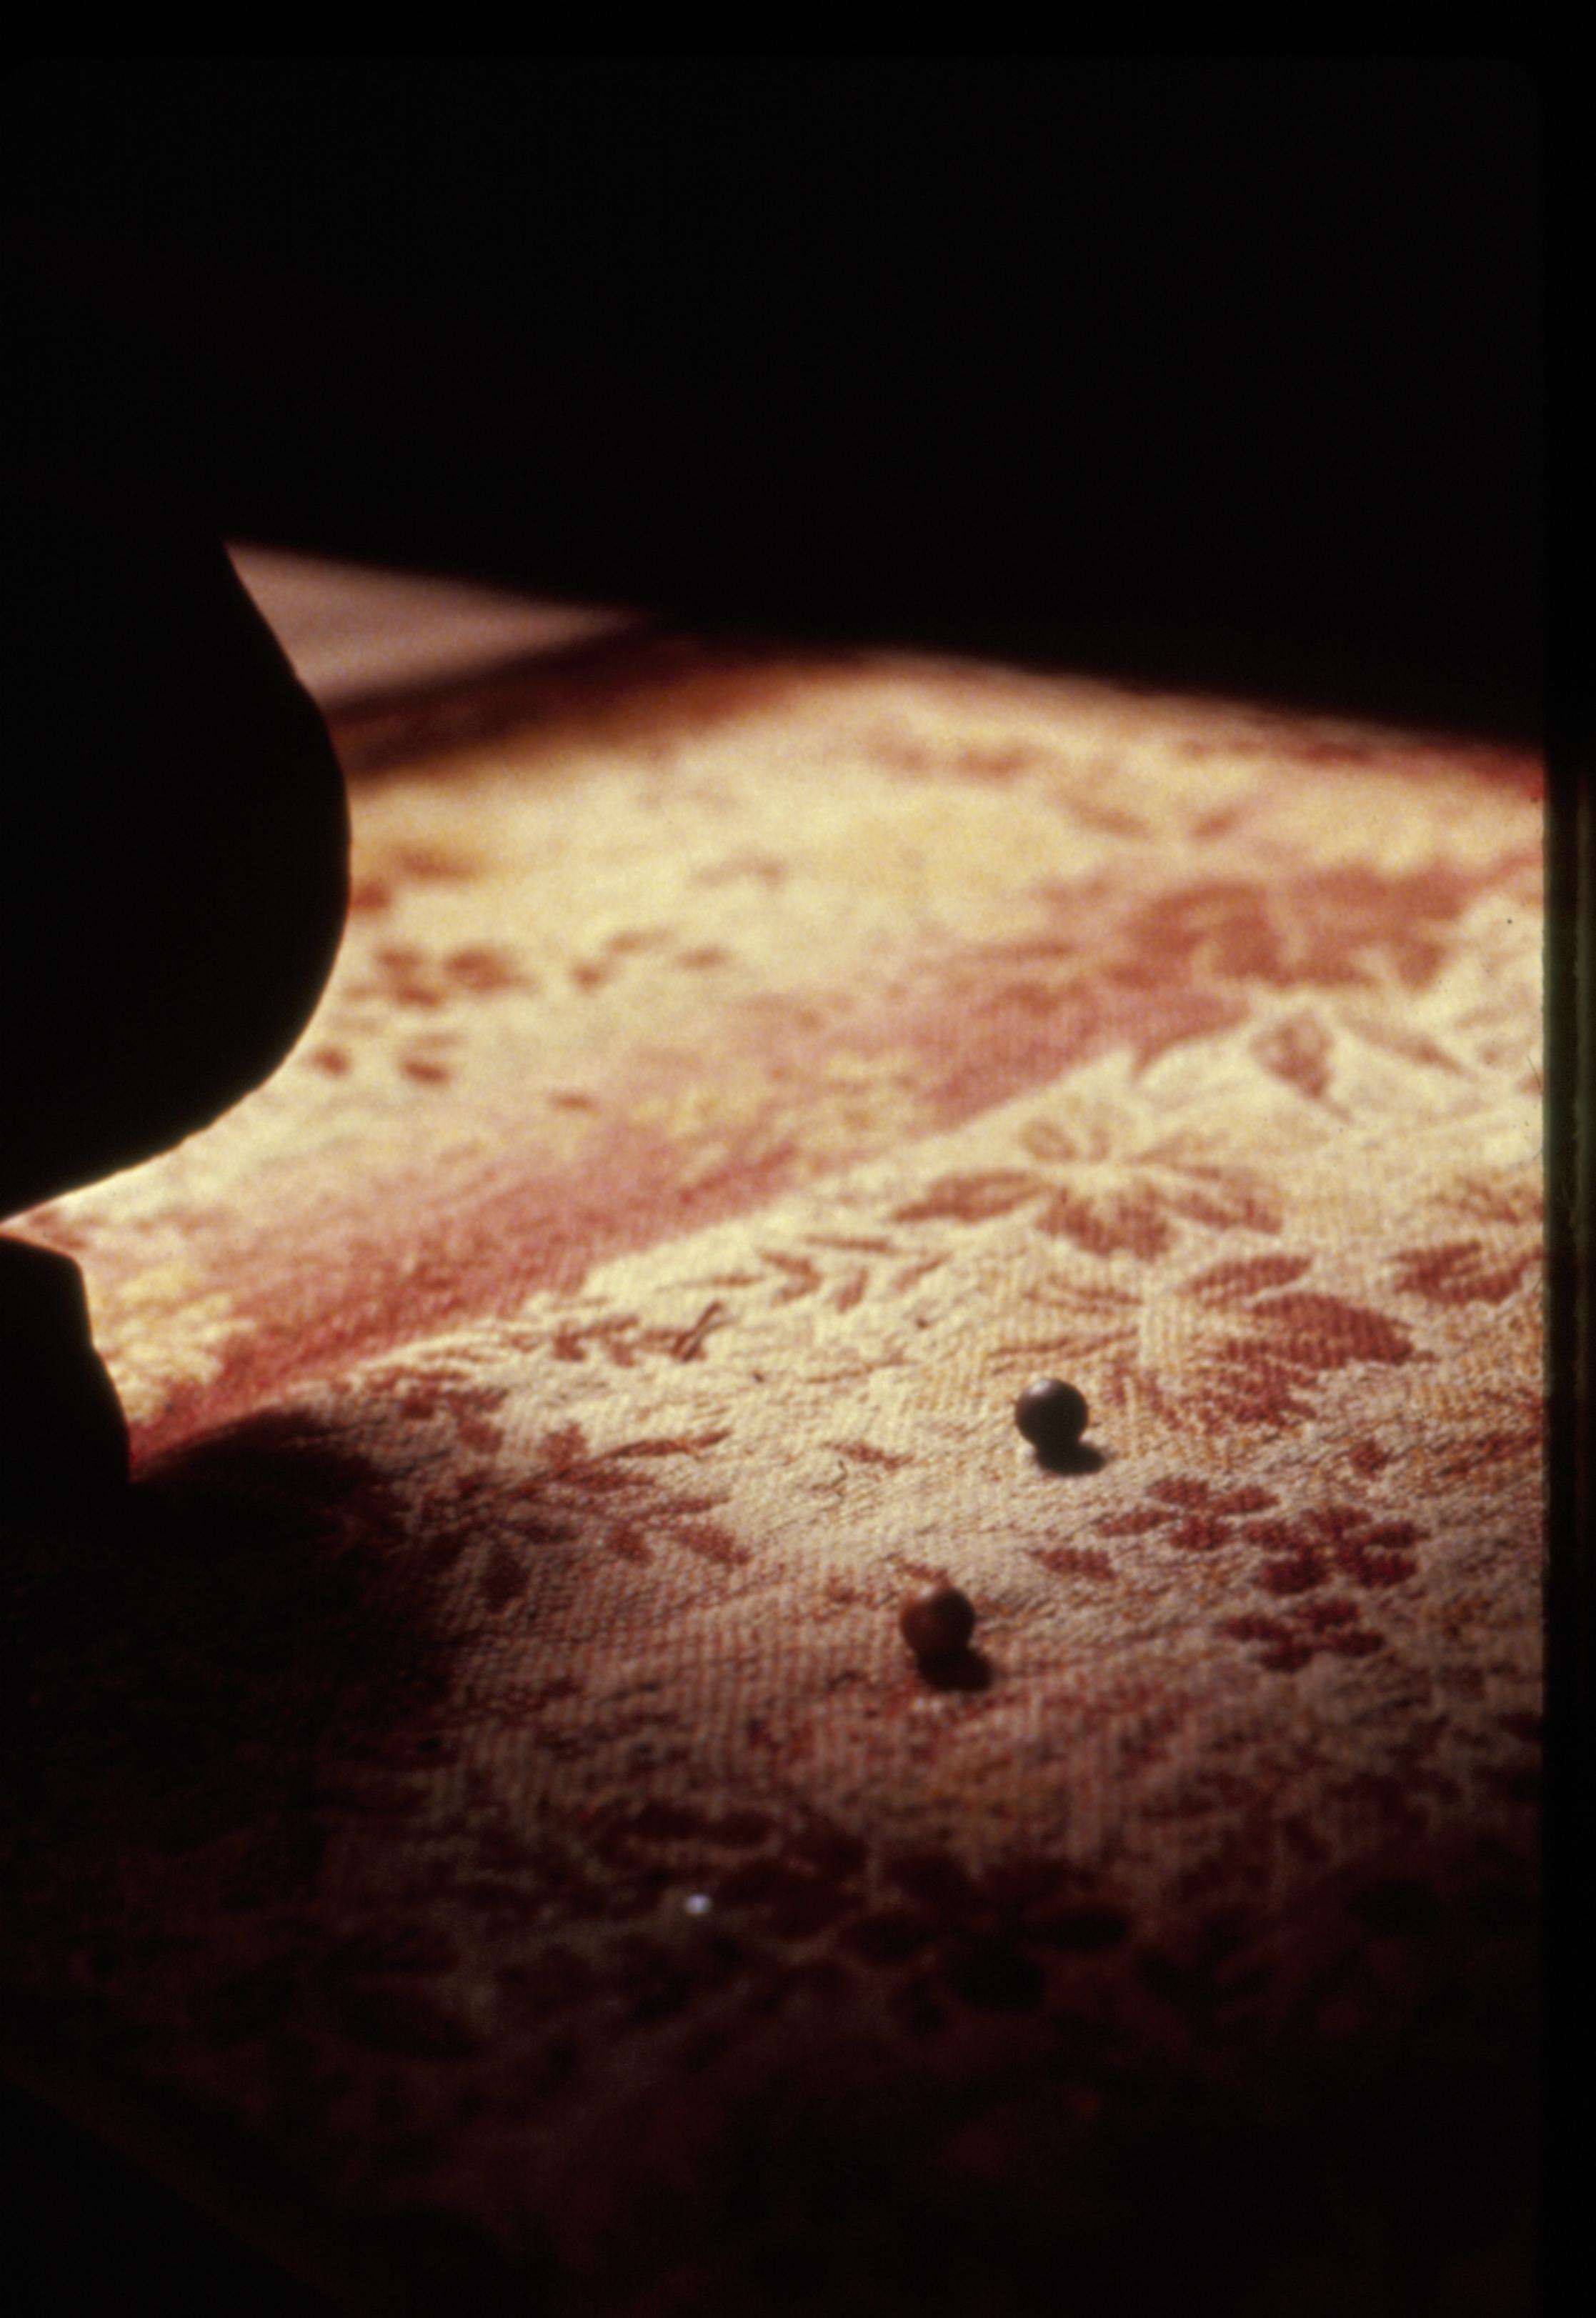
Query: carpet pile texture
[481, 1777]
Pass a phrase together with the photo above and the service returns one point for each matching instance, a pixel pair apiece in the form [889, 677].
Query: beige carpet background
[482, 1782]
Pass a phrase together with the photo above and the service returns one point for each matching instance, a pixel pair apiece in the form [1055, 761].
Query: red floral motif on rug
[484, 1774]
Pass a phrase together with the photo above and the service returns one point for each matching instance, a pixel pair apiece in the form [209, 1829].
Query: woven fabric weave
[485, 1771]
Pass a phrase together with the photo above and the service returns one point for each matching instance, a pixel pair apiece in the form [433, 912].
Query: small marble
[1052, 1416]
[939, 1625]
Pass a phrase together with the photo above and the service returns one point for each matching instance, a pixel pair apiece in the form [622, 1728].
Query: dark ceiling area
[1194, 369]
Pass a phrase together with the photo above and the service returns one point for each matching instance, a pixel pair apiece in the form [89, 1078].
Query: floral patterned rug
[481, 1788]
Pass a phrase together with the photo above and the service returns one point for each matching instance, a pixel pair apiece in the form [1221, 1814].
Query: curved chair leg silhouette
[173, 882]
